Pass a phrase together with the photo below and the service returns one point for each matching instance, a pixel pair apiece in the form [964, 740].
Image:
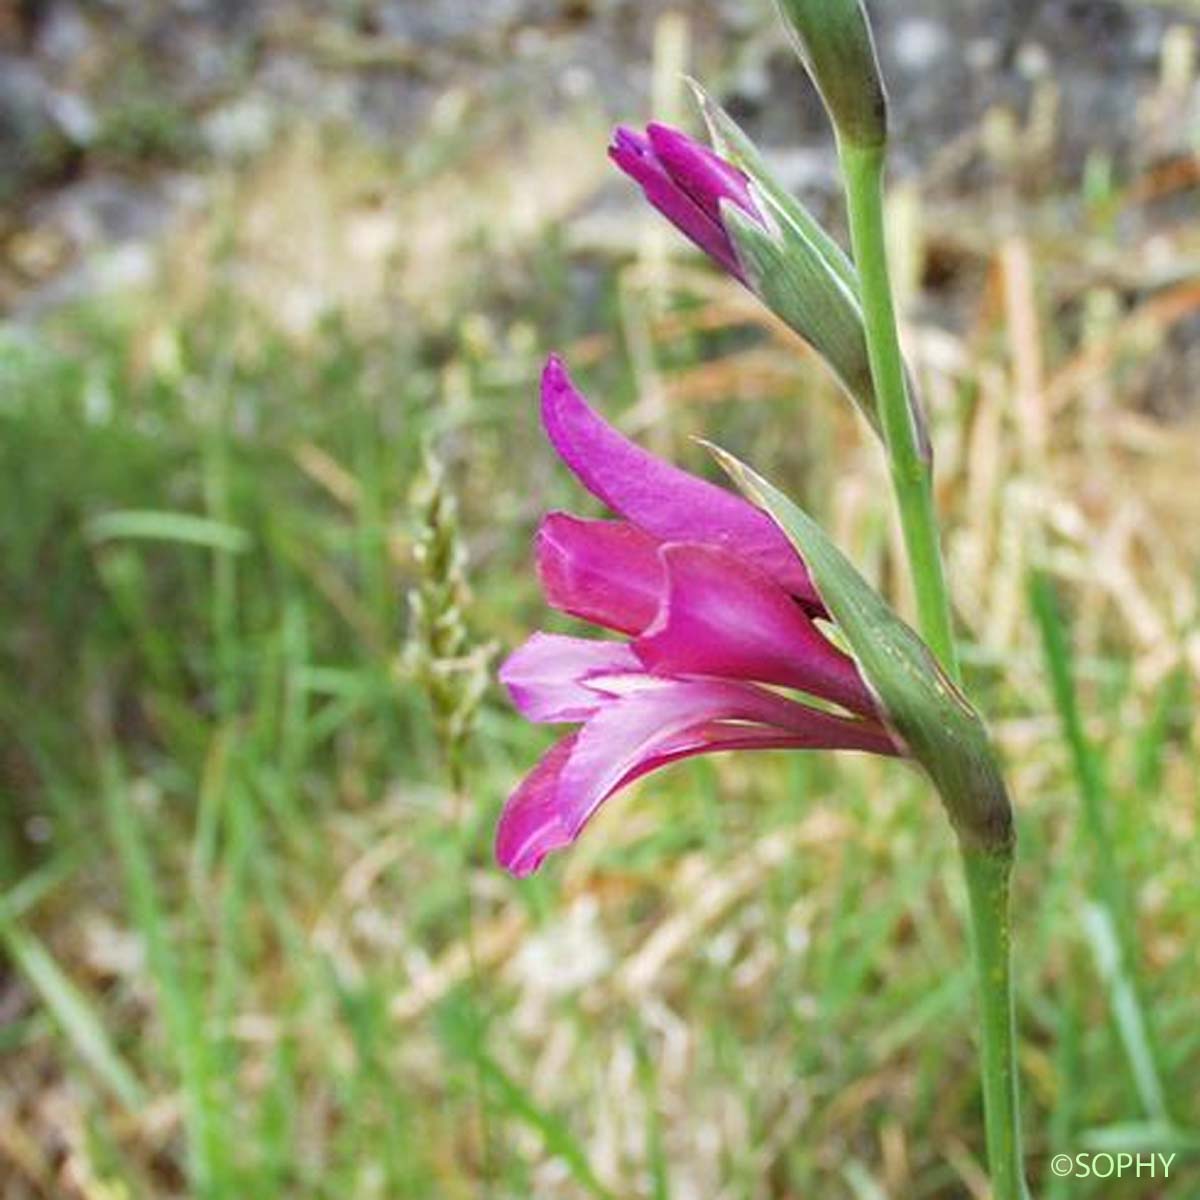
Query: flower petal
[548, 677]
[529, 827]
[602, 571]
[722, 617]
[700, 172]
[634, 155]
[625, 735]
[538, 817]
[659, 498]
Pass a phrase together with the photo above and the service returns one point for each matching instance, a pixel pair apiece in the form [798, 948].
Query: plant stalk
[987, 871]
[987, 875]
[912, 474]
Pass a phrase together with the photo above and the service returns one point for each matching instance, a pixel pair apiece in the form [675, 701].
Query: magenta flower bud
[687, 183]
[722, 650]
[746, 221]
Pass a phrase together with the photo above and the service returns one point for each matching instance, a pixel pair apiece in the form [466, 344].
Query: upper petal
[720, 616]
[659, 498]
[554, 678]
[603, 571]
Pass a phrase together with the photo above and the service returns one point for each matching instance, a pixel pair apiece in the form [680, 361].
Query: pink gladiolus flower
[686, 182]
[718, 609]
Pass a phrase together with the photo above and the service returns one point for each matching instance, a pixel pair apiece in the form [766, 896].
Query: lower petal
[530, 826]
[647, 730]
[563, 792]
[624, 734]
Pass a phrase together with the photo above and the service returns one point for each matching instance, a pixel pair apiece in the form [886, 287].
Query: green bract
[796, 283]
[924, 708]
[834, 42]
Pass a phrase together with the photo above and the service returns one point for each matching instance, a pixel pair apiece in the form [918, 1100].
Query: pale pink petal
[720, 616]
[659, 498]
[607, 572]
[555, 679]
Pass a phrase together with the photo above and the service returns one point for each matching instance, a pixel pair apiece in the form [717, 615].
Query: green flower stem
[987, 875]
[987, 871]
[912, 476]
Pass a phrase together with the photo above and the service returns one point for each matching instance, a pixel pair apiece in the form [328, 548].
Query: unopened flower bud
[833, 39]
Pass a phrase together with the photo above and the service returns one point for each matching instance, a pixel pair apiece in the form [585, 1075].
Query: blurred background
[277, 279]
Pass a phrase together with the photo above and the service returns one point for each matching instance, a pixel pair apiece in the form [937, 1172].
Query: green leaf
[1108, 922]
[1141, 1136]
[1134, 1030]
[925, 710]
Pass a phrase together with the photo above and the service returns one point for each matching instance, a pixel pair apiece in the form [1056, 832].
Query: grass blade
[1127, 1009]
[207, 1147]
[558, 1139]
[156, 525]
[1108, 923]
[72, 1011]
